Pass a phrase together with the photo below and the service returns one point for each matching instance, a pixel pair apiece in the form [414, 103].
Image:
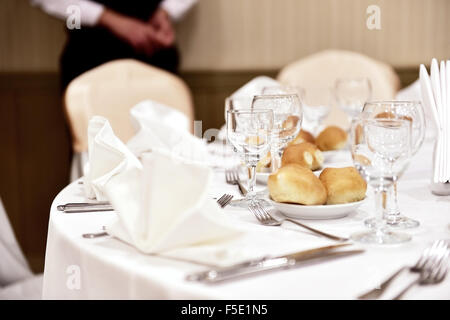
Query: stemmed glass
[284, 89]
[237, 103]
[316, 105]
[381, 150]
[287, 115]
[414, 113]
[352, 94]
[249, 132]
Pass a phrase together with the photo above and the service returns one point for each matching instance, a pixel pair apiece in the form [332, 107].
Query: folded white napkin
[159, 127]
[167, 206]
[107, 156]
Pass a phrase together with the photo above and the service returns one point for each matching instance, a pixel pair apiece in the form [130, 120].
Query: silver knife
[270, 263]
[85, 207]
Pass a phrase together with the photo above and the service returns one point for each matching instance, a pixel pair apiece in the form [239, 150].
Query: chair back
[112, 89]
[321, 70]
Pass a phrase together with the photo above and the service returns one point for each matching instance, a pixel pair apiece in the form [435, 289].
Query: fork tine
[220, 200]
[265, 213]
[264, 216]
[255, 213]
[228, 199]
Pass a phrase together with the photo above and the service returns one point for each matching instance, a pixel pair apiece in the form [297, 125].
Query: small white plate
[332, 211]
[262, 177]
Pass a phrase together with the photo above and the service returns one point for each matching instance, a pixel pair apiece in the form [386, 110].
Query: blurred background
[223, 44]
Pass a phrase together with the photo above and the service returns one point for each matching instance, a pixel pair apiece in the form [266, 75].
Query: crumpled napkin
[107, 156]
[166, 206]
[159, 127]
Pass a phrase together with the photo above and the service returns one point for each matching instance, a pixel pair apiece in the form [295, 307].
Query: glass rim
[271, 96]
[378, 120]
[239, 97]
[249, 111]
[289, 86]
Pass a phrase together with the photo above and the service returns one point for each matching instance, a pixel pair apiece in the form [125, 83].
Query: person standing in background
[118, 29]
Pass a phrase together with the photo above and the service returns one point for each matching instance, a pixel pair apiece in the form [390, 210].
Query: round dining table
[107, 268]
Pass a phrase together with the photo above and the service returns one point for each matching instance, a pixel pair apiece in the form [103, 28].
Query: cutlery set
[78, 207]
[431, 266]
[271, 263]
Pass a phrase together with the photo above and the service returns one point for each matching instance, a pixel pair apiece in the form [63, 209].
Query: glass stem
[379, 221]
[251, 194]
[275, 157]
[393, 210]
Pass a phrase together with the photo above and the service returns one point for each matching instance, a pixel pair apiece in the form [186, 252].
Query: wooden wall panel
[255, 34]
[35, 156]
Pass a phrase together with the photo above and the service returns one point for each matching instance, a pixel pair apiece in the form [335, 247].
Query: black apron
[89, 47]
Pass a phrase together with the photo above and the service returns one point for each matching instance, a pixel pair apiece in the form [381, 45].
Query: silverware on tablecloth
[224, 200]
[95, 235]
[232, 177]
[434, 271]
[78, 207]
[270, 263]
[266, 219]
[424, 259]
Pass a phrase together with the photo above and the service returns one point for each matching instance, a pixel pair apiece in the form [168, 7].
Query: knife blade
[270, 263]
[85, 207]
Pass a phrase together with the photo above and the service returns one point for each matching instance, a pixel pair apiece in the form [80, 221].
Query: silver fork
[417, 268]
[224, 200]
[266, 219]
[232, 177]
[434, 271]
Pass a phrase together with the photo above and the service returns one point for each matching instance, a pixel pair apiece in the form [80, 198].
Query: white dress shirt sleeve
[177, 8]
[90, 11]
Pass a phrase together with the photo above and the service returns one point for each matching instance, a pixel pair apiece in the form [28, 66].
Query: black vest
[89, 47]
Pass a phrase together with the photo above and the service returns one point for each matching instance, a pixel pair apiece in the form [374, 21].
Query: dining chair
[322, 69]
[111, 90]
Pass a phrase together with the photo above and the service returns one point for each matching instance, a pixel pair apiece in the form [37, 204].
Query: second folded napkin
[107, 156]
[159, 127]
[167, 206]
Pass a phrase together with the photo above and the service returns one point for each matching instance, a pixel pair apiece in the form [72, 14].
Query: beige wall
[255, 34]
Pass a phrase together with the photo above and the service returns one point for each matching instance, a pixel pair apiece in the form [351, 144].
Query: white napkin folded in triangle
[159, 127]
[167, 206]
[107, 156]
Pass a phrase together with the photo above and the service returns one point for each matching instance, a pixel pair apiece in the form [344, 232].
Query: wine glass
[237, 103]
[249, 131]
[316, 107]
[381, 150]
[284, 89]
[287, 115]
[351, 94]
[414, 113]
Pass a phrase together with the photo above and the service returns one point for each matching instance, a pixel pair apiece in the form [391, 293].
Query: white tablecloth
[105, 268]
